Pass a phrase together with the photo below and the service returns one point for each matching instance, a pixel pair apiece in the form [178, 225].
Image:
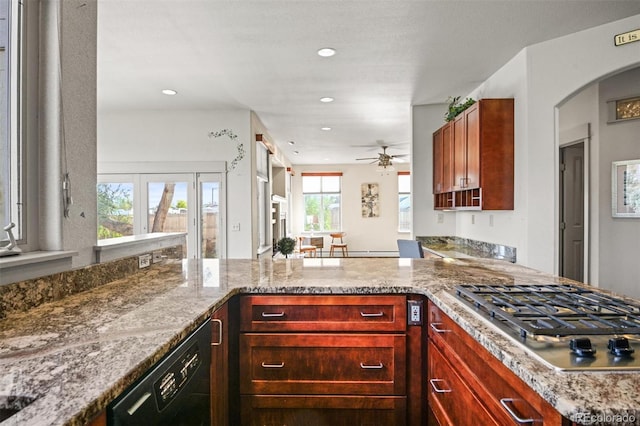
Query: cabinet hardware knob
[436, 388]
[219, 322]
[438, 330]
[505, 403]
[265, 365]
[371, 367]
[369, 315]
[272, 314]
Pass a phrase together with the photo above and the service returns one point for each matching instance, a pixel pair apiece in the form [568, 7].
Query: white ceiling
[261, 55]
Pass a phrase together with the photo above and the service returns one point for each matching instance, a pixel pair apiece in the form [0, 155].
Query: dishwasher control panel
[177, 376]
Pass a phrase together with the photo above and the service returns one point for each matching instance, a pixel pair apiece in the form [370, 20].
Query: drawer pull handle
[272, 314]
[265, 365]
[219, 322]
[370, 315]
[505, 403]
[371, 367]
[438, 330]
[436, 388]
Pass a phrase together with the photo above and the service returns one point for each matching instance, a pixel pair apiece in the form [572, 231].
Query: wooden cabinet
[466, 382]
[224, 365]
[327, 360]
[473, 158]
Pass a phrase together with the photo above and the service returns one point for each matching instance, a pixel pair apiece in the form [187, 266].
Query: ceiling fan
[383, 159]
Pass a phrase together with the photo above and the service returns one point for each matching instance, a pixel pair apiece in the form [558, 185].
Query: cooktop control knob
[619, 346]
[582, 347]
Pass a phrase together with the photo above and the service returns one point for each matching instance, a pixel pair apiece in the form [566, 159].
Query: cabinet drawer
[497, 386]
[451, 401]
[371, 364]
[332, 410]
[323, 313]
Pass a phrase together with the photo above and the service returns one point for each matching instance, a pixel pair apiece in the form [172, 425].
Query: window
[322, 205]
[404, 202]
[115, 209]
[10, 148]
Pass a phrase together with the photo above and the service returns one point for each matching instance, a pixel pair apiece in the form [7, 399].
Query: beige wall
[363, 234]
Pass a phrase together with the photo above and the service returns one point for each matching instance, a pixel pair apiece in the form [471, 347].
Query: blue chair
[410, 248]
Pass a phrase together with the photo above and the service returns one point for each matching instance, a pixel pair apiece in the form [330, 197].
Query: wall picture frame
[370, 198]
[625, 189]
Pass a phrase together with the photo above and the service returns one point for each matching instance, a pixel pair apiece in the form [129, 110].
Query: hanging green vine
[232, 136]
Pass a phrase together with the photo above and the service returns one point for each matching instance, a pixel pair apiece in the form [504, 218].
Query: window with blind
[322, 201]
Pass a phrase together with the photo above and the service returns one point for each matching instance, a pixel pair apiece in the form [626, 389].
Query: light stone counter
[77, 354]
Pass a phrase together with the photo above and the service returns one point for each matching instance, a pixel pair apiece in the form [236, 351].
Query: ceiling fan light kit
[383, 160]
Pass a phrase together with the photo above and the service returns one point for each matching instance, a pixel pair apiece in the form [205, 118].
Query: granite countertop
[77, 354]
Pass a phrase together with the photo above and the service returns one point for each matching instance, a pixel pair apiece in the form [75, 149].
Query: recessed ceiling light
[292, 143]
[169, 92]
[326, 52]
[296, 152]
[325, 128]
[326, 99]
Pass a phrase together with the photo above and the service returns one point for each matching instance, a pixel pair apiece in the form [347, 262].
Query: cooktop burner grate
[553, 309]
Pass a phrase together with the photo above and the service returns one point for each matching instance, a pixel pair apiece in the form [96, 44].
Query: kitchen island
[74, 356]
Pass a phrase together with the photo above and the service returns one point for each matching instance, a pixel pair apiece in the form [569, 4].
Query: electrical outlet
[235, 227]
[440, 218]
[415, 312]
[144, 260]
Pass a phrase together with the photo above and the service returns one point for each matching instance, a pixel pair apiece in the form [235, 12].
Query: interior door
[572, 214]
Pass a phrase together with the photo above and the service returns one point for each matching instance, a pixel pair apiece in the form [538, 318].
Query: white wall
[508, 226]
[540, 78]
[183, 136]
[427, 221]
[363, 234]
[619, 241]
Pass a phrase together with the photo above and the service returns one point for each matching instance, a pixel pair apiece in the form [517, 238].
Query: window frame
[321, 194]
[407, 193]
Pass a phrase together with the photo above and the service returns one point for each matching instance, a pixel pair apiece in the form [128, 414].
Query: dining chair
[337, 242]
[410, 249]
[306, 248]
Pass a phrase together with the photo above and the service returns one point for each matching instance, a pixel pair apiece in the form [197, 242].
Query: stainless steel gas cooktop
[565, 326]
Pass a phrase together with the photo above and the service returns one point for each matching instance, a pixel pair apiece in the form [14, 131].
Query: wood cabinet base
[323, 410]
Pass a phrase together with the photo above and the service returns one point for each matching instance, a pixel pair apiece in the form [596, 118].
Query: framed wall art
[370, 199]
[625, 188]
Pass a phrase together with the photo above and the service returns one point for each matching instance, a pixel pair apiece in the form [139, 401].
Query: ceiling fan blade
[368, 158]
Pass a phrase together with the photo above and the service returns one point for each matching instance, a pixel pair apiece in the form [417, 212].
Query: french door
[192, 203]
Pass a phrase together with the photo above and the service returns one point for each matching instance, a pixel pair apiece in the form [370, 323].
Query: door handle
[505, 403]
[438, 330]
[371, 315]
[219, 322]
[265, 365]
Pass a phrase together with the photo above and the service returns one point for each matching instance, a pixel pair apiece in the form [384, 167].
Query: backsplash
[474, 248]
[24, 295]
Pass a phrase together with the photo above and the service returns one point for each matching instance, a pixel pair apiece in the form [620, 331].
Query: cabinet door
[472, 137]
[451, 401]
[220, 366]
[447, 158]
[459, 153]
[323, 364]
[438, 172]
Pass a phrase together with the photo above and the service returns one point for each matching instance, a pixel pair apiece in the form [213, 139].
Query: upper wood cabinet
[473, 158]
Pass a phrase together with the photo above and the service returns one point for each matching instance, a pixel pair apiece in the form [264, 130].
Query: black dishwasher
[174, 392]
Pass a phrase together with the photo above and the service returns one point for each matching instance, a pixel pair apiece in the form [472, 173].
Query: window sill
[117, 248]
[34, 264]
